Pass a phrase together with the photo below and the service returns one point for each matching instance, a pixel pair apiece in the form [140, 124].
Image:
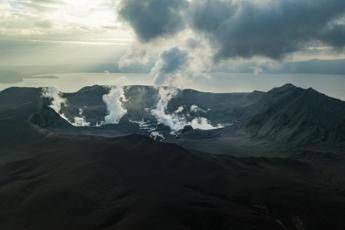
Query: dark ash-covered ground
[52, 180]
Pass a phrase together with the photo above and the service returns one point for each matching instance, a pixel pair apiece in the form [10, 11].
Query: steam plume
[114, 102]
[203, 124]
[81, 120]
[173, 121]
[170, 66]
[57, 101]
[177, 121]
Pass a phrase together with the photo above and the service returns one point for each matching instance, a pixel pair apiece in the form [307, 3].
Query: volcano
[260, 160]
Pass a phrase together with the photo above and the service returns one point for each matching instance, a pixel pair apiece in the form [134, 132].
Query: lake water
[332, 85]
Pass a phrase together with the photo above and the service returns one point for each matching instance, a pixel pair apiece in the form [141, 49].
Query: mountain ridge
[284, 116]
[54, 175]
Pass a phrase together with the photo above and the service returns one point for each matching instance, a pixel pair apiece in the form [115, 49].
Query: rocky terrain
[284, 120]
[59, 174]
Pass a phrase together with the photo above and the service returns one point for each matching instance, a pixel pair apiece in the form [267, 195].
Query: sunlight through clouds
[42, 17]
[130, 35]
[36, 32]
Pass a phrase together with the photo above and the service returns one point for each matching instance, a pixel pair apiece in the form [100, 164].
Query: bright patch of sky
[41, 32]
[44, 17]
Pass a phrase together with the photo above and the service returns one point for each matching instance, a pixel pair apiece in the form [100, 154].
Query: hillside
[65, 182]
[54, 175]
[285, 119]
[294, 115]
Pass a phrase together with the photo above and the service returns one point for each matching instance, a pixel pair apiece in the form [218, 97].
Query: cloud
[55, 17]
[154, 18]
[232, 29]
[138, 58]
[268, 28]
[209, 31]
[169, 67]
[242, 28]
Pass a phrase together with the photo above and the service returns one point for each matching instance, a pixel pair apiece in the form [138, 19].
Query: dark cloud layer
[244, 28]
[250, 28]
[154, 18]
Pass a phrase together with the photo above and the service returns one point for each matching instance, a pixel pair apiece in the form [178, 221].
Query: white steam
[143, 125]
[202, 123]
[177, 121]
[56, 98]
[196, 109]
[57, 101]
[180, 109]
[114, 101]
[157, 136]
[173, 121]
[81, 121]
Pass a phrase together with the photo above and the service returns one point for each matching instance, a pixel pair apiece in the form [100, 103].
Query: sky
[174, 41]
[54, 32]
